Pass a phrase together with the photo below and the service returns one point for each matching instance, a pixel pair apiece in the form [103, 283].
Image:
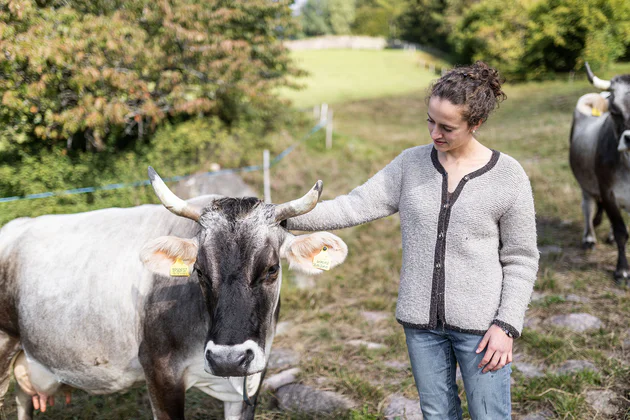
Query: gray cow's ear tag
[322, 260]
[179, 269]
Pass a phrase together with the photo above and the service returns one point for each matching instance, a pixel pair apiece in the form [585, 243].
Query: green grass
[342, 75]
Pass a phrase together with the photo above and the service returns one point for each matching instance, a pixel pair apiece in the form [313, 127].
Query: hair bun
[490, 77]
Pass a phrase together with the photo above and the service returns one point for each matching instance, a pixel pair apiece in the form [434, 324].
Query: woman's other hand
[499, 352]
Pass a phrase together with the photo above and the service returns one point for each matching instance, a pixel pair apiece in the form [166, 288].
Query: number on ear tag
[179, 269]
[322, 260]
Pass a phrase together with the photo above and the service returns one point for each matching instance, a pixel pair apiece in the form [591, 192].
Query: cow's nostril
[209, 356]
[246, 358]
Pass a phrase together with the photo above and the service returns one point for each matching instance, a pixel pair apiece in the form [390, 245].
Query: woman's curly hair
[478, 87]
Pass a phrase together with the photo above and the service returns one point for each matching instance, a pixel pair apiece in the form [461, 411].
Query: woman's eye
[448, 130]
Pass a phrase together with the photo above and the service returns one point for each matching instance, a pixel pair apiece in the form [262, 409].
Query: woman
[469, 247]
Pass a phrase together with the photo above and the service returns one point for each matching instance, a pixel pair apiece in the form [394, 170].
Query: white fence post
[323, 113]
[329, 129]
[267, 187]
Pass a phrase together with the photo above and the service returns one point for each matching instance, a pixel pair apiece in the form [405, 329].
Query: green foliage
[371, 19]
[98, 75]
[525, 39]
[493, 31]
[565, 33]
[342, 14]
[424, 22]
[324, 17]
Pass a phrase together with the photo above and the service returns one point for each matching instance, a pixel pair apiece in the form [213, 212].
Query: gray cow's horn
[596, 81]
[172, 202]
[301, 205]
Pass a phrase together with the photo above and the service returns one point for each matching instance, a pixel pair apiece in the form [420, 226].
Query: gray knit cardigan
[469, 260]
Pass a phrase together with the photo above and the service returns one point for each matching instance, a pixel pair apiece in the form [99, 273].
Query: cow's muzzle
[624, 141]
[238, 360]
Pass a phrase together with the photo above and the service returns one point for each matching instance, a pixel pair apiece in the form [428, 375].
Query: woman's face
[447, 126]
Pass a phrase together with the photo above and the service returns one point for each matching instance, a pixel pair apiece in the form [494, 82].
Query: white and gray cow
[600, 140]
[89, 300]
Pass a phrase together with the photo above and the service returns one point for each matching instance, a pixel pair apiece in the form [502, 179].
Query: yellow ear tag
[596, 112]
[179, 269]
[322, 260]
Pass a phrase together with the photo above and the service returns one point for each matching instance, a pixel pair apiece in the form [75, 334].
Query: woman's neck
[471, 150]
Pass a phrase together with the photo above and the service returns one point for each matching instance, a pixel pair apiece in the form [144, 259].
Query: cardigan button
[438, 265]
[440, 235]
[466, 178]
[446, 205]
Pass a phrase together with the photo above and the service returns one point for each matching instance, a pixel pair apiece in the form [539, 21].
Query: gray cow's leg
[24, 404]
[9, 347]
[588, 210]
[621, 235]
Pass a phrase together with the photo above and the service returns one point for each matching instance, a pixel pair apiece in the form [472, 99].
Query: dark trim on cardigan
[507, 326]
[437, 315]
[446, 326]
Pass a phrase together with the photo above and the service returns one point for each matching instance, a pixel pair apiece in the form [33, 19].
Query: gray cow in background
[600, 140]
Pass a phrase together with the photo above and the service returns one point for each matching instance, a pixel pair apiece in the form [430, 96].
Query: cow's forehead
[240, 220]
[621, 88]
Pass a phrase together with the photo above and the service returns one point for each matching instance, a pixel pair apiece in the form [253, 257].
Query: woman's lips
[439, 142]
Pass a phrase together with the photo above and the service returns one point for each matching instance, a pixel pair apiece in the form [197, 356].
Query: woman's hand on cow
[499, 349]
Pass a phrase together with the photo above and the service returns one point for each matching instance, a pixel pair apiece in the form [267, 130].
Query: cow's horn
[172, 202]
[301, 205]
[596, 81]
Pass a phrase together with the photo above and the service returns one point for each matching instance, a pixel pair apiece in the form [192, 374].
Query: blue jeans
[433, 355]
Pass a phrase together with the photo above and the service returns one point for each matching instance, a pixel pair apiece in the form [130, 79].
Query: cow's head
[236, 259]
[618, 104]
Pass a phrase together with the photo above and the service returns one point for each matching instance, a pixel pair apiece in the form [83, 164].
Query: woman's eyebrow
[443, 125]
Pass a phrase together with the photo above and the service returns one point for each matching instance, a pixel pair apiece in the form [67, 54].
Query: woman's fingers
[495, 360]
[502, 362]
[486, 358]
[483, 343]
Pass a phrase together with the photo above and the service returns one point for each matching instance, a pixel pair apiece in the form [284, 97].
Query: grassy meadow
[532, 126]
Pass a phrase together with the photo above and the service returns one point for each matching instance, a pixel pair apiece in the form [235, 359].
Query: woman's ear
[475, 127]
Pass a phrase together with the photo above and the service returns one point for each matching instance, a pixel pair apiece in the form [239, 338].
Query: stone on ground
[403, 408]
[575, 322]
[571, 366]
[283, 327]
[528, 370]
[300, 398]
[368, 344]
[375, 316]
[397, 365]
[602, 401]
[282, 358]
[537, 296]
[549, 250]
[281, 379]
[538, 415]
[576, 298]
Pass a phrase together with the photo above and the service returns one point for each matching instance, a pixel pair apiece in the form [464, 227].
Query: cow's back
[76, 289]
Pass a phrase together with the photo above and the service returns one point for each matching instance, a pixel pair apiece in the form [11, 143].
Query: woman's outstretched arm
[378, 197]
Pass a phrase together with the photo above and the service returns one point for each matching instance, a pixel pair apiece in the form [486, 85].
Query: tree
[315, 18]
[97, 75]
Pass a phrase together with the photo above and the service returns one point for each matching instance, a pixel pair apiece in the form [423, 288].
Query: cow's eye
[273, 270]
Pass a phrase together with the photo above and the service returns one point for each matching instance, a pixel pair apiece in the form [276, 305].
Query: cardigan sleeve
[519, 257]
[378, 197]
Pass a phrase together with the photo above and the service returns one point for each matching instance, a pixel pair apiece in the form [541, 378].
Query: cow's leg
[165, 385]
[9, 347]
[621, 235]
[24, 404]
[588, 210]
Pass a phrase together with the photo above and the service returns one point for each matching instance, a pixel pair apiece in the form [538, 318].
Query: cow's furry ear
[159, 254]
[301, 250]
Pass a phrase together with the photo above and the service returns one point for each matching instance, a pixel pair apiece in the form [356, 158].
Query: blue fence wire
[84, 190]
